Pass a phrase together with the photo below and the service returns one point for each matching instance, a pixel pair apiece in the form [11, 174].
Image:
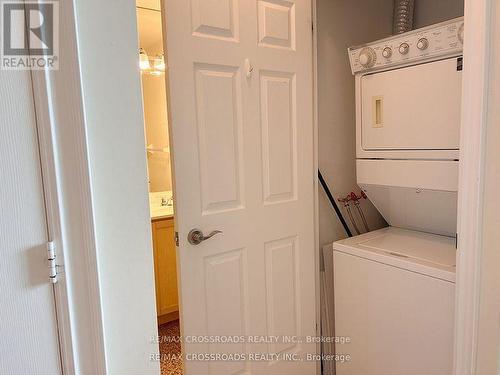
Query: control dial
[404, 48]
[367, 57]
[387, 52]
[422, 43]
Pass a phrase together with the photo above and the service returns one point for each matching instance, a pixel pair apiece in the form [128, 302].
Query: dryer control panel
[429, 43]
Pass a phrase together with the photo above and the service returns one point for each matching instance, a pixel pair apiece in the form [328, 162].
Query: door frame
[79, 307]
[471, 181]
[318, 252]
[67, 192]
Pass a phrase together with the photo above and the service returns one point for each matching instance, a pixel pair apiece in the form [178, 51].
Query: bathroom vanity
[164, 253]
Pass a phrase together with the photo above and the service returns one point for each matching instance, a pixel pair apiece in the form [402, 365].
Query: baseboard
[166, 318]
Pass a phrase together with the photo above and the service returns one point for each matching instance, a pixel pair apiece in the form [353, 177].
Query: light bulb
[144, 60]
[159, 63]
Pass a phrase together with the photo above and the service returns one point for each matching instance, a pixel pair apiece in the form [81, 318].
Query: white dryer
[394, 288]
[408, 116]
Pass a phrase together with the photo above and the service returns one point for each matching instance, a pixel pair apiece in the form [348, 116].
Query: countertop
[157, 211]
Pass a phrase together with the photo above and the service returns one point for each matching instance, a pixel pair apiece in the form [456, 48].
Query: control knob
[367, 57]
[422, 44]
[387, 52]
[404, 48]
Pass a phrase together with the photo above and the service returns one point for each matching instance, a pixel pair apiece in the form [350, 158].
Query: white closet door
[28, 331]
[242, 127]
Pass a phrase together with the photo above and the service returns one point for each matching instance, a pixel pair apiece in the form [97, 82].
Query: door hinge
[176, 236]
[51, 258]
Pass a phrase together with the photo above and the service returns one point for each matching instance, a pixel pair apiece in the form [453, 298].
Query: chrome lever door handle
[196, 236]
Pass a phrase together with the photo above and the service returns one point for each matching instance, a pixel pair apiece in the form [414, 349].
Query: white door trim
[470, 200]
[66, 179]
[47, 164]
[316, 168]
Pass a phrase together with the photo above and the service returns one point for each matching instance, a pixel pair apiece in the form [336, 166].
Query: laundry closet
[389, 113]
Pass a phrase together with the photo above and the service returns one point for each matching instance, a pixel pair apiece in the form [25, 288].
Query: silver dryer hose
[403, 16]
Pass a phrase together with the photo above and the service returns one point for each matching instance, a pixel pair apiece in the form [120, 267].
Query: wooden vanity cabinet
[165, 265]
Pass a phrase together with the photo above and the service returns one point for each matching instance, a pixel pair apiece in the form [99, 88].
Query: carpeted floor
[170, 348]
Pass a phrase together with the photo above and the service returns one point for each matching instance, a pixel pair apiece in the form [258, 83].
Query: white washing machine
[394, 288]
[394, 301]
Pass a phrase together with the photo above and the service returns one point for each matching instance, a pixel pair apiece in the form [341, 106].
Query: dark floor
[170, 348]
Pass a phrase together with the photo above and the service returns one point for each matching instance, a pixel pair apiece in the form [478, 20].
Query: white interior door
[28, 331]
[240, 76]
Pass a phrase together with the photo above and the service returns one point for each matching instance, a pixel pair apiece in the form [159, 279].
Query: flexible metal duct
[403, 16]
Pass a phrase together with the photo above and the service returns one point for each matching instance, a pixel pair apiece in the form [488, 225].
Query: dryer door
[413, 108]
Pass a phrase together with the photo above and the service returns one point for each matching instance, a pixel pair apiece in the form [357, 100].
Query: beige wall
[342, 24]
[488, 358]
[155, 103]
[428, 12]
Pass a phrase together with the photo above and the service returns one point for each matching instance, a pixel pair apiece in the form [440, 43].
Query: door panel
[276, 21]
[240, 78]
[215, 18]
[282, 293]
[218, 99]
[402, 112]
[278, 106]
[28, 331]
[227, 304]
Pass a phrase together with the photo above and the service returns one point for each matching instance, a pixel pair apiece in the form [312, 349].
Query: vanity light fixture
[144, 60]
[159, 63]
[154, 66]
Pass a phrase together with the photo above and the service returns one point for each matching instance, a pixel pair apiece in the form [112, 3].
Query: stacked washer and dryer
[394, 287]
